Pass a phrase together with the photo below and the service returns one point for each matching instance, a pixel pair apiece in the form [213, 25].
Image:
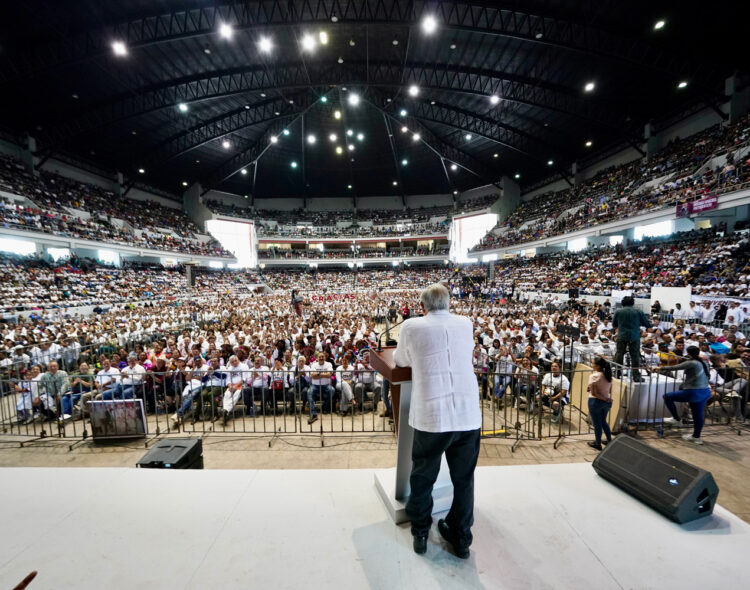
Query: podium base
[385, 484]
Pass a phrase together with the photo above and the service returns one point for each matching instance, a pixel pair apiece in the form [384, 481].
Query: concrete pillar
[191, 204]
[575, 174]
[739, 100]
[120, 188]
[652, 140]
[509, 201]
[27, 155]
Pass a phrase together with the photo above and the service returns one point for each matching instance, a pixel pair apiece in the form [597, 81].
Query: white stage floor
[550, 526]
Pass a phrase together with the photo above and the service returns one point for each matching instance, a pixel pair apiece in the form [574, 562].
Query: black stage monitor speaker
[176, 453]
[679, 490]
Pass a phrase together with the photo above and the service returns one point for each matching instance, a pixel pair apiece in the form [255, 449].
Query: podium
[393, 484]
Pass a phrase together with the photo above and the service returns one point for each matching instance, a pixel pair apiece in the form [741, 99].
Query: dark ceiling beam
[437, 77]
[220, 127]
[502, 19]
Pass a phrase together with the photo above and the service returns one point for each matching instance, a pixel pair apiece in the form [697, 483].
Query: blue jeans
[386, 390]
[598, 410]
[696, 399]
[323, 393]
[501, 382]
[187, 401]
[68, 400]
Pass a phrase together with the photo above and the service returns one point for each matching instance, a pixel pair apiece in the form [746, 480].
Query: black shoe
[312, 419]
[594, 445]
[606, 442]
[460, 550]
[420, 545]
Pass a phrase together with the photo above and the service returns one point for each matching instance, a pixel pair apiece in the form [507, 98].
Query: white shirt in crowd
[325, 367]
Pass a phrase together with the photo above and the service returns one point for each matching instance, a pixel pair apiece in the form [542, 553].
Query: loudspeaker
[176, 453]
[679, 490]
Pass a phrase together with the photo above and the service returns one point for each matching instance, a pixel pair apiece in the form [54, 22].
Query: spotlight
[351, 147]
[395, 183]
[495, 155]
[184, 183]
[286, 132]
[404, 129]
[182, 107]
[402, 112]
[311, 139]
[226, 31]
[517, 176]
[468, 137]
[332, 137]
[337, 114]
[349, 186]
[589, 86]
[323, 36]
[339, 150]
[659, 25]
[354, 99]
[360, 136]
[550, 162]
[349, 132]
[324, 99]
[243, 172]
[455, 192]
[416, 137]
[273, 139]
[119, 48]
[413, 90]
[454, 167]
[141, 171]
[265, 45]
[429, 24]
[293, 164]
[225, 144]
[494, 99]
[308, 43]
[589, 143]
[404, 162]
[682, 84]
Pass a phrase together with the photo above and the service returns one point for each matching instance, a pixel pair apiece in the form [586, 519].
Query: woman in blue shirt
[694, 391]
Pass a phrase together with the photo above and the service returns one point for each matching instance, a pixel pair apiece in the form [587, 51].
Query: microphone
[387, 330]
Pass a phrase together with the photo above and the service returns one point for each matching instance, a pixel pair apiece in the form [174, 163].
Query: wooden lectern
[393, 484]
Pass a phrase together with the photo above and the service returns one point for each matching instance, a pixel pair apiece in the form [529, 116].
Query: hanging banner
[699, 206]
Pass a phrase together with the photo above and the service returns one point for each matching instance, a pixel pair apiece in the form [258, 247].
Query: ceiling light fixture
[429, 24]
[340, 60]
[413, 90]
[349, 186]
[589, 86]
[308, 43]
[682, 84]
[293, 164]
[339, 150]
[351, 147]
[336, 114]
[404, 129]
[182, 107]
[354, 99]
[494, 99]
[402, 112]
[311, 139]
[467, 137]
[332, 137]
[395, 183]
[286, 132]
[517, 176]
[495, 155]
[454, 167]
[243, 172]
[273, 139]
[141, 171]
[395, 42]
[226, 31]
[184, 183]
[119, 48]
[225, 144]
[550, 162]
[349, 132]
[324, 99]
[360, 136]
[265, 45]
[404, 162]
[589, 143]
[659, 25]
[416, 137]
[323, 36]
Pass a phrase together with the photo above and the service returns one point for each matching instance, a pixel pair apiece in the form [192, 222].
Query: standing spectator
[600, 401]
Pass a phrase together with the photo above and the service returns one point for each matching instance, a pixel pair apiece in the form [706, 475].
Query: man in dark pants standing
[445, 416]
[628, 322]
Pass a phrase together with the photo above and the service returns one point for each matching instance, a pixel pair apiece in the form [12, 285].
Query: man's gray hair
[436, 297]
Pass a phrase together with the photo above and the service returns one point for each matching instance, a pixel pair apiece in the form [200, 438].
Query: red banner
[699, 206]
[331, 297]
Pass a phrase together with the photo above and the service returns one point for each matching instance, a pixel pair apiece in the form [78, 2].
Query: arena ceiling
[197, 91]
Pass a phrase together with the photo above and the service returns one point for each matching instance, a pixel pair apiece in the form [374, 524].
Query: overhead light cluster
[119, 48]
